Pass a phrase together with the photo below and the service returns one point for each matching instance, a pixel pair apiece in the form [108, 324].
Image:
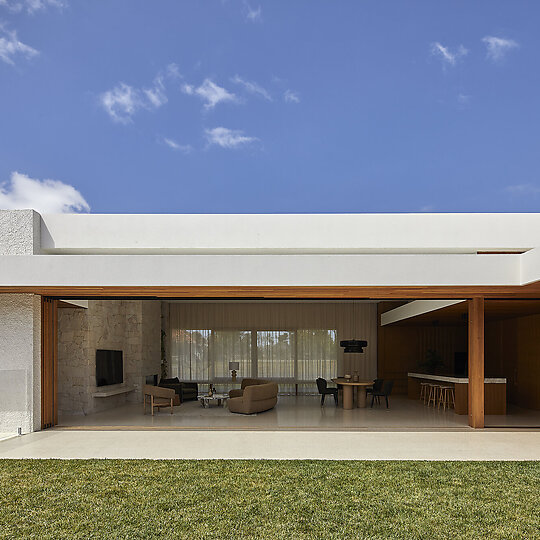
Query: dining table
[349, 386]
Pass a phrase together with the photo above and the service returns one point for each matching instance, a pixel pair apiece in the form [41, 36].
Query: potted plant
[164, 363]
[433, 362]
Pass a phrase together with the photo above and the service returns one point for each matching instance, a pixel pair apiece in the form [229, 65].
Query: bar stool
[433, 394]
[424, 391]
[446, 397]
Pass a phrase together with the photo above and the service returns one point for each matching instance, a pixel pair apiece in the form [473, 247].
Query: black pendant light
[353, 345]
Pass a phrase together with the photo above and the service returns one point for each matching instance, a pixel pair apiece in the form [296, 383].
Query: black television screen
[109, 367]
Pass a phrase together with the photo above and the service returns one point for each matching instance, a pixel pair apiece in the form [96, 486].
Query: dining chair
[377, 385]
[384, 392]
[322, 386]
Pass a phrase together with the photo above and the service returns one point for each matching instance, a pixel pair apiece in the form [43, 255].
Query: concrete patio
[217, 444]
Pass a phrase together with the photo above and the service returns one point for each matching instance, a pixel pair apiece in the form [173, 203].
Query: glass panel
[189, 358]
[317, 354]
[275, 354]
[302, 355]
[231, 346]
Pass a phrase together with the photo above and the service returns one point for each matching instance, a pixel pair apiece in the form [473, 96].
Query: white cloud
[252, 87]
[211, 93]
[188, 89]
[10, 47]
[523, 189]
[44, 196]
[228, 138]
[291, 97]
[156, 95]
[252, 14]
[123, 101]
[446, 55]
[184, 148]
[31, 6]
[463, 99]
[173, 71]
[498, 47]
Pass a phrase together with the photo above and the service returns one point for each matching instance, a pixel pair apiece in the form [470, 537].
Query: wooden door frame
[49, 362]
[49, 323]
[476, 362]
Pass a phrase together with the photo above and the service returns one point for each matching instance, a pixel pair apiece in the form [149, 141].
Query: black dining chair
[377, 386]
[322, 386]
[384, 392]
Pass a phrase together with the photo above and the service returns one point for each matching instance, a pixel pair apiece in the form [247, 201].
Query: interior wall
[132, 326]
[512, 350]
[351, 320]
[402, 349]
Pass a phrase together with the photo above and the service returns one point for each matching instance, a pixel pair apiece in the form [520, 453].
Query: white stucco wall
[530, 266]
[19, 232]
[20, 362]
[260, 270]
[288, 233]
[20, 330]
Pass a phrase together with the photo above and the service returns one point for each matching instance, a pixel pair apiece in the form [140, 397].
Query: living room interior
[111, 352]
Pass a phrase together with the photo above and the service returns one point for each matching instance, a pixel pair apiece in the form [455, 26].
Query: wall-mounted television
[109, 367]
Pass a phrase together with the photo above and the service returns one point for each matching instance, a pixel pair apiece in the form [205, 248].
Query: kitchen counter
[458, 380]
[494, 391]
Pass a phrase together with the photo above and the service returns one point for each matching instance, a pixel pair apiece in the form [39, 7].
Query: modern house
[94, 307]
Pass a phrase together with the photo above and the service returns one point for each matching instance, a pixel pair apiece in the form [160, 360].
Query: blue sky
[270, 106]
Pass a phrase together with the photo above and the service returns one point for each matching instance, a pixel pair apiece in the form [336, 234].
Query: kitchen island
[494, 391]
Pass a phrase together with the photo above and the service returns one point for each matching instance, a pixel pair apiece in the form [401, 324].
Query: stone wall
[132, 326]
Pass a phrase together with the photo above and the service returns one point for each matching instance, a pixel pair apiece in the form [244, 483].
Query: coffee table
[206, 400]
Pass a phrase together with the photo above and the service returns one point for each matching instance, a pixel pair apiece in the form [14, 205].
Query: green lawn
[268, 499]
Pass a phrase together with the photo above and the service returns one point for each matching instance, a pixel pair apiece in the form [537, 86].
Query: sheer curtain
[190, 354]
[230, 346]
[292, 343]
[286, 356]
[276, 352]
[317, 354]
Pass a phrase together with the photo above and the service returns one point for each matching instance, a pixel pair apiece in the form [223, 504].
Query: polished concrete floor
[293, 413]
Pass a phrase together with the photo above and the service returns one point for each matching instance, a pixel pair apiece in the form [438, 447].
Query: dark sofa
[187, 391]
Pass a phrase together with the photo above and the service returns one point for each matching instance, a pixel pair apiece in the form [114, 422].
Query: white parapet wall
[20, 363]
[287, 233]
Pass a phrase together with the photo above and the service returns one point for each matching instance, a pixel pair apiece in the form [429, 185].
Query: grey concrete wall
[20, 362]
[132, 326]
